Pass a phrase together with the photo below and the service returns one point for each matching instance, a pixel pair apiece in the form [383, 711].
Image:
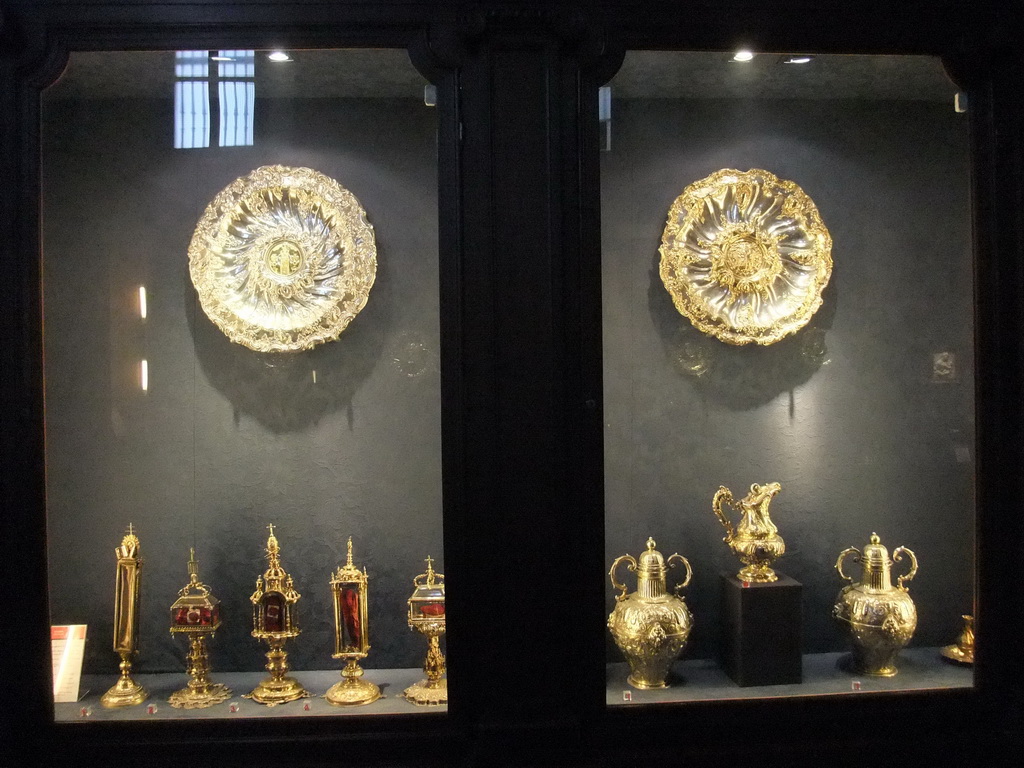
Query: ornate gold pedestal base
[272, 691]
[125, 692]
[757, 574]
[427, 692]
[353, 690]
[433, 690]
[962, 651]
[645, 686]
[200, 692]
[278, 691]
[958, 654]
[851, 663]
[278, 688]
[187, 698]
[889, 671]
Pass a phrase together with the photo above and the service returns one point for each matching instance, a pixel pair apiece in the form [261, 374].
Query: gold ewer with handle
[880, 618]
[650, 626]
[755, 539]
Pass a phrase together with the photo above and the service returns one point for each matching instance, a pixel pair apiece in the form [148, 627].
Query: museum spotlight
[278, 56]
[743, 55]
[797, 59]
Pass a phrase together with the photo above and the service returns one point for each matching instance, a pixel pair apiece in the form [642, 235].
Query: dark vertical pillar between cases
[523, 441]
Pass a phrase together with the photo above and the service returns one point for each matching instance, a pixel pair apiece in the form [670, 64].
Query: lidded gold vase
[880, 618]
[650, 626]
[755, 538]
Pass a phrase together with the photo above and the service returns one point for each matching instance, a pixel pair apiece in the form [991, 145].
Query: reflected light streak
[143, 310]
[144, 375]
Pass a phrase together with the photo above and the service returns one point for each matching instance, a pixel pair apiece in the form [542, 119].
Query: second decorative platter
[745, 256]
[283, 259]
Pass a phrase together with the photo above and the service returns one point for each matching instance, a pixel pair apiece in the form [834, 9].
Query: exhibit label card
[68, 647]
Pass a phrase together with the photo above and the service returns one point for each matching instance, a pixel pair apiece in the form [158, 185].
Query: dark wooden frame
[521, 380]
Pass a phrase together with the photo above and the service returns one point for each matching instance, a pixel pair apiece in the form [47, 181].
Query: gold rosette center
[284, 257]
[745, 262]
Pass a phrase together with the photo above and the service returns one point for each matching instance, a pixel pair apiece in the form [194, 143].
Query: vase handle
[689, 572]
[723, 496]
[913, 566]
[611, 574]
[842, 556]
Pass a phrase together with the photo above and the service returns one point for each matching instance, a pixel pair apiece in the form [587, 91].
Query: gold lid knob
[651, 564]
[875, 557]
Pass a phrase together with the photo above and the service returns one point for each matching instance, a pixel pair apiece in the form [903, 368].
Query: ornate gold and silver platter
[283, 259]
[745, 256]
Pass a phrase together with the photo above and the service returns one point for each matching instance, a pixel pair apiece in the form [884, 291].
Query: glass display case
[311, 304]
[788, 293]
[241, 313]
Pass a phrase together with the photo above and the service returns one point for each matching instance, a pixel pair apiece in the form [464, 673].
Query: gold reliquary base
[428, 692]
[352, 690]
[187, 698]
[124, 693]
[274, 691]
[278, 688]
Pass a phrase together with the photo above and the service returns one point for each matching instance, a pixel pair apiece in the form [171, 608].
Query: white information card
[68, 647]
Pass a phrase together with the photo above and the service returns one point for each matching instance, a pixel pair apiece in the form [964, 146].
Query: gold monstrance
[426, 616]
[126, 692]
[351, 635]
[272, 620]
[196, 614]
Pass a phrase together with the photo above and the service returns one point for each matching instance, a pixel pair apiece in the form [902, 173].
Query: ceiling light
[279, 56]
[797, 59]
[221, 58]
[743, 55]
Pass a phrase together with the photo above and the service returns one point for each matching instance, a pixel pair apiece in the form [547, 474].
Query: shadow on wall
[740, 377]
[291, 391]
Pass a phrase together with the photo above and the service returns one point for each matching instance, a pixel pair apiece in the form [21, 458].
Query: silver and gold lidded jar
[650, 626]
[880, 618]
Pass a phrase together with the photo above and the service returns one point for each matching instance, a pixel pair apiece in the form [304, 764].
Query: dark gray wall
[844, 414]
[228, 440]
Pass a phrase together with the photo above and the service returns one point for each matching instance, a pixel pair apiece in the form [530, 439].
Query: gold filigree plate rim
[762, 263]
[313, 257]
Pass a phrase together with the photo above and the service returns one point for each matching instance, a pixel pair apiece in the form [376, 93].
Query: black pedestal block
[760, 631]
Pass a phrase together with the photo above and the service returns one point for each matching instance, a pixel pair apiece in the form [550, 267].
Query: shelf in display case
[921, 669]
[160, 686]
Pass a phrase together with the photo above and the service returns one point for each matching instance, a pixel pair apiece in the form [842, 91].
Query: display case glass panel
[241, 306]
[788, 298]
